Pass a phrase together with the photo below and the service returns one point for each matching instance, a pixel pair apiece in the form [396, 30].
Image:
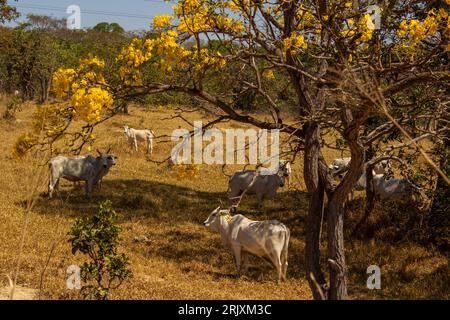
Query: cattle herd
[267, 239]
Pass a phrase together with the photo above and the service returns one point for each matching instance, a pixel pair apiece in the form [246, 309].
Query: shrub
[98, 238]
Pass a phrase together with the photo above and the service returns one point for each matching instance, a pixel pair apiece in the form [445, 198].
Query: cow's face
[111, 160]
[212, 220]
[107, 160]
[125, 129]
[285, 168]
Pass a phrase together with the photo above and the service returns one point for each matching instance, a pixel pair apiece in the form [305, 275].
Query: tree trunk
[370, 200]
[314, 274]
[336, 252]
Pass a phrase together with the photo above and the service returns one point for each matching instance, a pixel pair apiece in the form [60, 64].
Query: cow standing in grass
[89, 169]
[266, 239]
[135, 135]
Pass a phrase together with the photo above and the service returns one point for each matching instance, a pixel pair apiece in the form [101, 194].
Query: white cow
[135, 135]
[340, 164]
[287, 170]
[391, 188]
[384, 189]
[89, 169]
[266, 239]
[92, 159]
[252, 182]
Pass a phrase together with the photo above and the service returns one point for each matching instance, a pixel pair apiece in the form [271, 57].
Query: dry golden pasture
[182, 259]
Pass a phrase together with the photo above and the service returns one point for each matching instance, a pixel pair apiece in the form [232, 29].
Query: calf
[266, 239]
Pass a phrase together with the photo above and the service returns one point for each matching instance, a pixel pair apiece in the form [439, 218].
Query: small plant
[98, 238]
[15, 105]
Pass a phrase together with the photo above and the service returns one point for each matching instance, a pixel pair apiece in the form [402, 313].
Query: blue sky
[130, 14]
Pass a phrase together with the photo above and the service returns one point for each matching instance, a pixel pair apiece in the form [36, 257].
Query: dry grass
[182, 260]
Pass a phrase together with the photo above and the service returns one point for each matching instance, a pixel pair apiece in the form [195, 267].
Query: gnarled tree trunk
[314, 274]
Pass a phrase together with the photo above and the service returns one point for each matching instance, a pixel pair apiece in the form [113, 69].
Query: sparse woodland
[334, 77]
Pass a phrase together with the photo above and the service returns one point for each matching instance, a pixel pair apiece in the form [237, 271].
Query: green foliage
[108, 27]
[98, 238]
[12, 107]
[7, 12]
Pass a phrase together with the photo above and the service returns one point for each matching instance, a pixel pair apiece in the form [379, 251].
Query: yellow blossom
[268, 74]
[162, 21]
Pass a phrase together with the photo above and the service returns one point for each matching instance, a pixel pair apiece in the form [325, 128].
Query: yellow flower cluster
[162, 21]
[198, 16]
[89, 103]
[85, 88]
[61, 82]
[169, 50]
[186, 170]
[417, 31]
[204, 59]
[132, 58]
[268, 74]
[306, 17]
[294, 42]
[137, 53]
[90, 62]
[366, 27]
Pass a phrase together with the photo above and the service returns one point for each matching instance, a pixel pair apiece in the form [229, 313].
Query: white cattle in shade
[341, 164]
[252, 182]
[138, 135]
[266, 239]
[89, 169]
[392, 188]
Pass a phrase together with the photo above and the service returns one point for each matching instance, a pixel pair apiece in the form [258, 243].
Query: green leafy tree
[7, 12]
[109, 27]
[98, 238]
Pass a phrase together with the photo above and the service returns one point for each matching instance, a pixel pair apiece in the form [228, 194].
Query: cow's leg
[284, 264]
[54, 181]
[88, 188]
[244, 262]
[237, 258]
[260, 200]
[135, 144]
[150, 145]
[51, 187]
[276, 260]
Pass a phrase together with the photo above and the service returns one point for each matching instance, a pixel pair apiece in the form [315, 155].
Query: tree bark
[336, 251]
[314, 274]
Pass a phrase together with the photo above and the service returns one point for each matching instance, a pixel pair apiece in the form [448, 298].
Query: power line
[87, 11]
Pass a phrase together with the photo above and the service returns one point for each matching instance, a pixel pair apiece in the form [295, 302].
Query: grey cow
[266, 239]
[252, 182]
[89, 169]
[392, 188]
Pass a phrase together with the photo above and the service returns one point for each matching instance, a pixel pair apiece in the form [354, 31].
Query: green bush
[98, 238]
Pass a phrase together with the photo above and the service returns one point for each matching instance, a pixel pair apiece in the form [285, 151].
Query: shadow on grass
[151, 199]
[165, 203]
